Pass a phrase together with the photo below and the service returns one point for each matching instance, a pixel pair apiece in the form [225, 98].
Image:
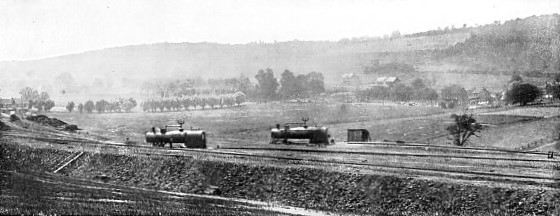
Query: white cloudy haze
[32, 29]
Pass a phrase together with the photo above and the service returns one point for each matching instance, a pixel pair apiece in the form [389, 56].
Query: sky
[34, 29]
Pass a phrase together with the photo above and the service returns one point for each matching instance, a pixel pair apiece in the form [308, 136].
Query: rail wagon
[191, 138]
[290, 131]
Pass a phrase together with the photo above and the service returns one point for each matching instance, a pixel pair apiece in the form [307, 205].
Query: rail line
[65, 140]
[364, 164]
[448, 147]
[218, 152]
[388, 154]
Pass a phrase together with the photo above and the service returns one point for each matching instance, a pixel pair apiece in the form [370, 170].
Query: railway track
[180, 153]
[390, 154]
[449, 147]
[487, 174]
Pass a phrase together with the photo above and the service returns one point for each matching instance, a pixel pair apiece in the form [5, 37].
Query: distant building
[13, 104]
[387, 81]
[350, 78]
[480, 96]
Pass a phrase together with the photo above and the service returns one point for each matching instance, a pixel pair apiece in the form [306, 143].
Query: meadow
[250, 123]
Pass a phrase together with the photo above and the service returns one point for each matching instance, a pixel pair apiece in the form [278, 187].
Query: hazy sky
[32, 29]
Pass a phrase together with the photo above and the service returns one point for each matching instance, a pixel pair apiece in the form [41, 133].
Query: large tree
[522, 94]
[89, 106]
[401, 92]
[464, 126]
[70, 106]
[315, 82]
[267, 86]
[29, 94]
[454, 92]
[288, 86]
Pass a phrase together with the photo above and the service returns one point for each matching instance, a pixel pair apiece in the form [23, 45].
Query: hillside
[495, 49]
[531, 44]
[131, 65]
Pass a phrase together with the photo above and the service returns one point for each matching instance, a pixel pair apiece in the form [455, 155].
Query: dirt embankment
[302, 187]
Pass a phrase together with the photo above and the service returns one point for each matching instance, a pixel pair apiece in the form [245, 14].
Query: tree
[44, 96]
[522, 94]
[315, 82]
[239, 98]
[418, 84]
[516, 78]
[129, 104]
[401, 92]
[266, 89]
[49, 104]
[70, 106]
[288, 87]
[80, 107]
[89, 106]
[429, 94]
[29, 94]
[464, 127]
[66, 81]
[455, 92]
[101, 106]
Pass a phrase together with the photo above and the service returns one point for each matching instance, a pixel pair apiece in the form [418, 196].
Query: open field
[248, 123]
[251, 123]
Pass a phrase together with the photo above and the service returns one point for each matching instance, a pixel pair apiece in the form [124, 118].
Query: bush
[522, 94]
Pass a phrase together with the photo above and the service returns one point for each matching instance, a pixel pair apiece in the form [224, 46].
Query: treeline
[267, 88]
[194, 102]
[198, 86]
[399, 92]
[389, 68]
[102, 106]
[289, 87]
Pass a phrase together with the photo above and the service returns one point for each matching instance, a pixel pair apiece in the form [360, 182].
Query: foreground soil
[301, 186]
[35, 193]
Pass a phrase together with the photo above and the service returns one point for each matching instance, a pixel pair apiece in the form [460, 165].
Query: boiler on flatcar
[315, 134]
[192, 138]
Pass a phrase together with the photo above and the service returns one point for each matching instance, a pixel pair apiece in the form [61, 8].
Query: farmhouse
[387, 81]
[480, 96]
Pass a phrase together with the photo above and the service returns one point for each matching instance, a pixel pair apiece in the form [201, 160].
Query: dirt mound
[53, 122]
[3, 126]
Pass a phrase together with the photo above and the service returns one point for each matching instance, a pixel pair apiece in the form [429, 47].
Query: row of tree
[193, 87]
[101, 106]
[400, 92]
[267, 88]
[202, 101]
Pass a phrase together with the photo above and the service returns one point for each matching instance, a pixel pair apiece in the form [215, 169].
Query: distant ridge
[521, 44]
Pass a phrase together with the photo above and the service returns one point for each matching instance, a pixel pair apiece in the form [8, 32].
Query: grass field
[251, 122]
